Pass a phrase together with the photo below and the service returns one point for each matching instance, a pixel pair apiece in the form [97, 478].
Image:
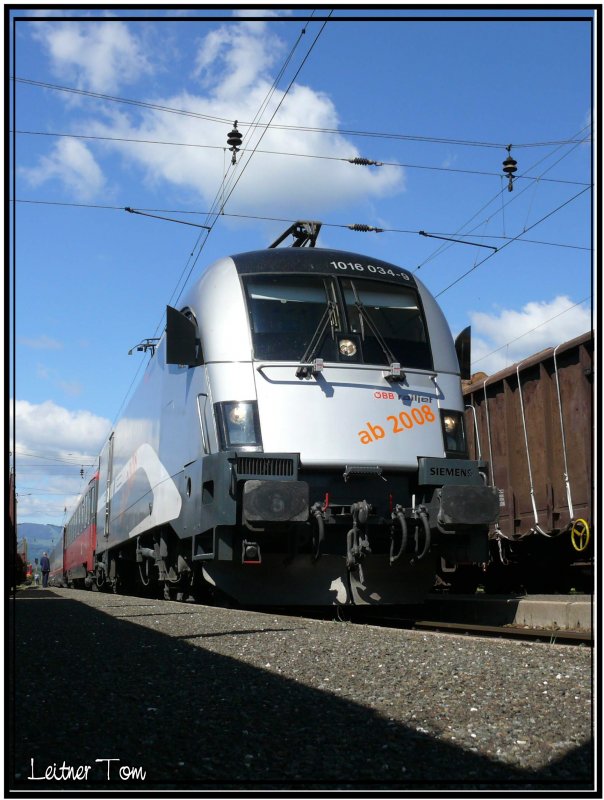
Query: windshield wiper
[308, 364]
[395, 374]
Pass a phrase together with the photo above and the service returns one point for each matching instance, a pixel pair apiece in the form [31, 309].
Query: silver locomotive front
[333, 464]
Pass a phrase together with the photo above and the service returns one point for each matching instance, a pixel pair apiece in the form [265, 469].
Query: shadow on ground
[88, 686]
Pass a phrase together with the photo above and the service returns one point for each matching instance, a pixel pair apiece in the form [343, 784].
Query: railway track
[412, 618]
[547, 635]
[552, 622]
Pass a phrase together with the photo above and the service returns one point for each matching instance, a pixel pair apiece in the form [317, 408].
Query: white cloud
[49, 431]
[94, 55]
[73, 164]
[232, 59]
[233, 66]
[507, 336]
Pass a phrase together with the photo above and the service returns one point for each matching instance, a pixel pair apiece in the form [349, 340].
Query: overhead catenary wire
[316, 156]
[525, 241]
[517, 195]
[74, 461]
[440, 250]
[457, 241]
[306, 128]
[353, 226]
[509, 242]
[57, 466]
[167, 219]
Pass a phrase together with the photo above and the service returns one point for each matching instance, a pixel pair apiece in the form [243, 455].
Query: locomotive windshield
[395, 312]
[286, 311]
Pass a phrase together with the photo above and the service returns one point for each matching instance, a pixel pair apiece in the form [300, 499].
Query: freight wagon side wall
[498, 402]
[576, 387]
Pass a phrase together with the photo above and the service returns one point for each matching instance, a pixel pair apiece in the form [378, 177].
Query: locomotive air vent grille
[274, 467]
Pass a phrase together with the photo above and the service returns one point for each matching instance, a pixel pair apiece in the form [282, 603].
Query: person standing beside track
[45, 565]
[35, 573]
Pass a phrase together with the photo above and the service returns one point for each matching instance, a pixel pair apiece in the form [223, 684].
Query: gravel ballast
[208, 698]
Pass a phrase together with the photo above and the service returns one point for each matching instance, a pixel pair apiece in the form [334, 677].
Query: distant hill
[40, 538]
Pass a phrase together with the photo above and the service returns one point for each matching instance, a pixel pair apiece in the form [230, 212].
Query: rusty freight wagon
[533, 423]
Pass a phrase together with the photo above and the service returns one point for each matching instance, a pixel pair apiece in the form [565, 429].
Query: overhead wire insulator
[364, 162]
[510, 167]
[234, 140]
[359, 226]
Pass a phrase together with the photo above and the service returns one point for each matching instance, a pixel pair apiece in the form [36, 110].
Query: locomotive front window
[285, 312]
[395, 312]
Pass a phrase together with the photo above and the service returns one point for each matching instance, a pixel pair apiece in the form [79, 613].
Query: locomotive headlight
[454, 434]
[239, 414]
[450, 424]
[347, 348]
[238, 425]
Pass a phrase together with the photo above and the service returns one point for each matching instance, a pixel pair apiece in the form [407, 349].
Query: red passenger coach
[80, 537]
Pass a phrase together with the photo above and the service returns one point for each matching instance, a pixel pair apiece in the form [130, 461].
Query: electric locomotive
[297, 439]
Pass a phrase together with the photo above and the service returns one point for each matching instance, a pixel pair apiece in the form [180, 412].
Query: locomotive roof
[319, 261]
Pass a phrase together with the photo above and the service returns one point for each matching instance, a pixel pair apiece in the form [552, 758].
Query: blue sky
[93, 280]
